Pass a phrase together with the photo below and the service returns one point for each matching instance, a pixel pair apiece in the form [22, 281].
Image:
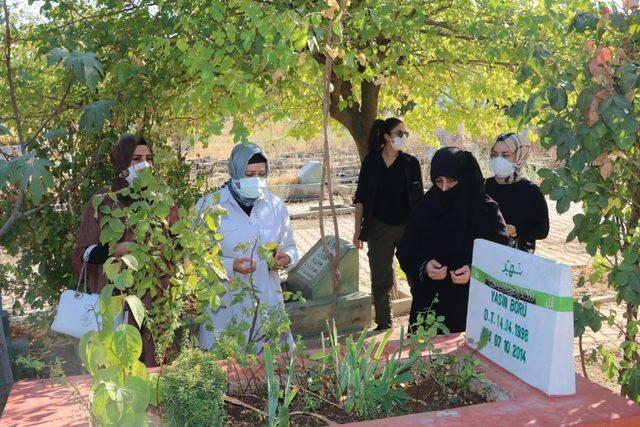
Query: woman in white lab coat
[255, 218]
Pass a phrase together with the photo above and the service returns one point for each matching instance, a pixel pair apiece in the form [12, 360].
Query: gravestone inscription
[312, 275]
[520, 315]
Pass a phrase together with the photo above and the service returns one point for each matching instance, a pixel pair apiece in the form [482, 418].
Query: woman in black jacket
[437, 247]
[520, 200]
[389, 185]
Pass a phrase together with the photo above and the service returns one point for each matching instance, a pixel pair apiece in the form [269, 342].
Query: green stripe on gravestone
[542, 299]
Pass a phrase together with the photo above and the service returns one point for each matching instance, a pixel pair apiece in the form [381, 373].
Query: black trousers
[382, 242]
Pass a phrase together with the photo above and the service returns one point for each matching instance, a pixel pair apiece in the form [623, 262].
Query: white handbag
[78, 312]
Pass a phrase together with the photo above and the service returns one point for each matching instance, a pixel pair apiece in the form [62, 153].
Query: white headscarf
[521, 152]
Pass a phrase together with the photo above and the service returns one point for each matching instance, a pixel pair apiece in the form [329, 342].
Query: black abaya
[443, 227]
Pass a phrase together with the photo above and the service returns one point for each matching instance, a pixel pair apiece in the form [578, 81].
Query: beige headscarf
[521, 152]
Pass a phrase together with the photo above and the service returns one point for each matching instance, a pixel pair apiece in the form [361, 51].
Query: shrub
[192, 390]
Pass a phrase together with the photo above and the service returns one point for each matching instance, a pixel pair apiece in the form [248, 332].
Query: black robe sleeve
[492, 226]
[412, 252]
[537, 228]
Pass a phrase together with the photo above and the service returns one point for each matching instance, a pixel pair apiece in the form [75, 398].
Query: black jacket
[523, 206]
[369, 180]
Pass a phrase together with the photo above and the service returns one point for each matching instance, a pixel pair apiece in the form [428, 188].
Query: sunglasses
[504, 136]
[402, 133]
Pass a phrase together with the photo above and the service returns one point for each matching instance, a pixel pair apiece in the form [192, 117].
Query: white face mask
[133, 170]
[502, 167]
[251, 188]
[398, 142]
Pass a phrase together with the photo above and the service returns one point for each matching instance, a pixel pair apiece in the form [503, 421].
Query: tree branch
[7, 62]
[314, 415]
[17, 207]
[470, 62]
[15, 214]
[237, 402]
[17, 211]
[53, 115]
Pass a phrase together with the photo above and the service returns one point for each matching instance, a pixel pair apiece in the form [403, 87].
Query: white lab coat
[269, 222]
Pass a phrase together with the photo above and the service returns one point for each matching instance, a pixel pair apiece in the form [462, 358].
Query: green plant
[454, 374]
[362, 380]
[278, 401]
[193, 389]
[257, 323]
[176, 265]
[30, 362]
[585, 101]
[121, 389]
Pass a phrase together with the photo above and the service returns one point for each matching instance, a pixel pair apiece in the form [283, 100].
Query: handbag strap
[82, 278]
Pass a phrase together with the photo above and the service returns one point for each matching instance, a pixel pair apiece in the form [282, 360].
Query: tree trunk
[357, 118]
[632, 311]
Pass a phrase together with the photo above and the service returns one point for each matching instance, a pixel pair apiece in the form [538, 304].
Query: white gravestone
[521, 310]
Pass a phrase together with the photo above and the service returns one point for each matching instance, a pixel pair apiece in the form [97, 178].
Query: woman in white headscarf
[255, 218]
[521, 202]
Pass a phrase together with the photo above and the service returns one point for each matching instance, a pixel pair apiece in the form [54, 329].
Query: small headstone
[521, 310]
[310, 173]
[309, 319]
[312, 275]
[303, 191]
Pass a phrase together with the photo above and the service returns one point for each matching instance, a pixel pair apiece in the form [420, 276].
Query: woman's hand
[244, 265]
[461, 276]
[281, 260]
[435, 270]
[511, 229]
[359, 244]
[122, 249]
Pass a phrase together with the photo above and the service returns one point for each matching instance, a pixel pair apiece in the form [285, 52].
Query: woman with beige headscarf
[521, 202]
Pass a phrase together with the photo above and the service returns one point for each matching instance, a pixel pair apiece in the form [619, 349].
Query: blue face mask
[251, 188]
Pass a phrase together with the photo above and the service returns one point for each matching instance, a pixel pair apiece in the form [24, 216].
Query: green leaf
[99, 402]
[37, 176]
[136, 307]
[4, 130]
[56, 133]
[140, 390]
[123, 280]
[156, 389]
[213, 222]
[584, 99]
[94, 116]
[127, 344]
[627, 77]
[557, 97]
[583, 21]
[85, 350]
[631, 378]
[524, 72]
[57, 55]
[131, 261]
[563, 205]
[86, 68]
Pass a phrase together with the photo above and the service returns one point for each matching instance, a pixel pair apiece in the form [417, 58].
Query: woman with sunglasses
[389, 185]
[521, 202]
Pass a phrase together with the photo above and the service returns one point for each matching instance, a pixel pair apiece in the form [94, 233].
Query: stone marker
[312, 275]
[353, 312]
[310, 173]
[521, 311]
[295, 192]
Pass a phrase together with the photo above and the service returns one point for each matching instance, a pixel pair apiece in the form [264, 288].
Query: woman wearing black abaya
[437, 246]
